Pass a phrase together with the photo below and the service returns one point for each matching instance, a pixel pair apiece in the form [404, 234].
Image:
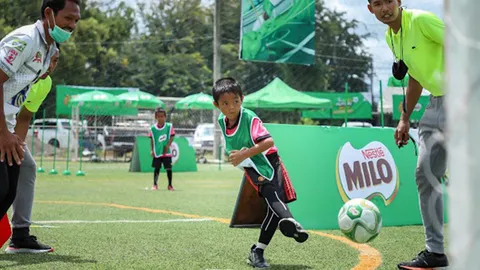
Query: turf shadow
[34, 259]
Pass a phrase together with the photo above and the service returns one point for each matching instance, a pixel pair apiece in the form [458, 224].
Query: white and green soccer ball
[360, 220]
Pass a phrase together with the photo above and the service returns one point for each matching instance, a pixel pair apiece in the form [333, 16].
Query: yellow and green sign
[358, 107]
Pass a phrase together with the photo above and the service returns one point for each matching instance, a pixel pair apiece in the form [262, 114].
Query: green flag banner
[281, 31]
[417, 112]
[66, 92]
[357, 106]
[330, 165]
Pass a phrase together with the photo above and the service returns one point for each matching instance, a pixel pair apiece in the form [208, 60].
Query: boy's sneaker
[291, 228]
[426, 260]
[155, 187]
[171, 188]
[29, 244]
[256, 259]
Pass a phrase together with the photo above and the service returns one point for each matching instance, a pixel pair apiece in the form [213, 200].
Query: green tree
[175, 47]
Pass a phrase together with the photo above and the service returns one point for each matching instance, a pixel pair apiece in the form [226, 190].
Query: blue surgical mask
[58, 34]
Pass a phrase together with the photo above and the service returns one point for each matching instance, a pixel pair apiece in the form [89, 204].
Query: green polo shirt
[422, 44]
[37, 94]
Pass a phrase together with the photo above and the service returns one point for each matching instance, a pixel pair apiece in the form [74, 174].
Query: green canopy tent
[199, 101]
[94, 101]
[277, 95]
[140, 100]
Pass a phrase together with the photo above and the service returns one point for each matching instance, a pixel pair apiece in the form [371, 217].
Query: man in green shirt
[22, 241]
[416, 40]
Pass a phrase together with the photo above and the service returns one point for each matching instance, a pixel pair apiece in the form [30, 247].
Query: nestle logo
[373, 153]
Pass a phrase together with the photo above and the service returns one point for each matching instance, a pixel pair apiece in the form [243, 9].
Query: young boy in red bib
[250, 147]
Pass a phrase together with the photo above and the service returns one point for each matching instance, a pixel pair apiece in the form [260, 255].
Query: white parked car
[357, 124]
[203, 137]
[203, 141]
[49, 126]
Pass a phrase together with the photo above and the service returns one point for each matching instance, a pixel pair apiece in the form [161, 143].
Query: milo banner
[66, 92]
[358, 107]
[281, 31]
[331, 165]
[417, 112]
[183, 155]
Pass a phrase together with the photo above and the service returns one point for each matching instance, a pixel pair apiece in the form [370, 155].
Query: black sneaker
[28, 244]
[291, 228]
[256, 259]
[426, 260]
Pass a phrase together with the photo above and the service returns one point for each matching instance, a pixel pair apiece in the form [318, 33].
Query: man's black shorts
[166, 161]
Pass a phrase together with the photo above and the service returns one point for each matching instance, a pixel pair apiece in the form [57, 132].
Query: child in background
[250, 146]
[161, 134]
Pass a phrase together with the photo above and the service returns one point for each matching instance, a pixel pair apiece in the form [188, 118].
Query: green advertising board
[417, 112]
[183, 155]
[64, 93]
[331, 165]
[281, 31]
[357, 106]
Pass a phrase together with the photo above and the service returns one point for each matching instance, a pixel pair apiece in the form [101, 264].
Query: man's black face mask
[399, 70]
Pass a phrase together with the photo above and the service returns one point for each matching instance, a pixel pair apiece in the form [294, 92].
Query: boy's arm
[170, 141]
[263, 142]
[172, 137]
[258, 148]
[236, 157]
[151, 143]
[166, 147]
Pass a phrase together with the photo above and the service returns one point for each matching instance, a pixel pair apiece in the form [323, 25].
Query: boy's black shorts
[281, 180]
[166, 161]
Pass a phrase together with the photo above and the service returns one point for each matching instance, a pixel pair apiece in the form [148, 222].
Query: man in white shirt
[25, 56]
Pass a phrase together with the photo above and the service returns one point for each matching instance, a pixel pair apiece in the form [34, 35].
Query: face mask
[58, 34]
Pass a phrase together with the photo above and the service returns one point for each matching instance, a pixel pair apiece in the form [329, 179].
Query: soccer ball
[360, 220]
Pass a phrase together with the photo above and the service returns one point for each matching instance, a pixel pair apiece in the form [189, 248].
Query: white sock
[261, 246]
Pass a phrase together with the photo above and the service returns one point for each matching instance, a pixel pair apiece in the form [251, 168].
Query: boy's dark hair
[160, 110]
[55, 5]
[226, 85]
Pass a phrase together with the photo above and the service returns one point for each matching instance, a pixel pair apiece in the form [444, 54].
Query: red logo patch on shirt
[38, 58]
[11, 56]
